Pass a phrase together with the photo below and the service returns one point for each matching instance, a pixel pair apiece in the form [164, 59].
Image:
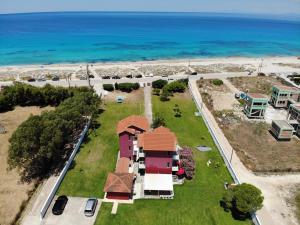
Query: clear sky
[231, 6]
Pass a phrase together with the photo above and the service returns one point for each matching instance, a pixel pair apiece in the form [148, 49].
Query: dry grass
[10, 187]
[260, 151]
[132, 97]
[260, 84]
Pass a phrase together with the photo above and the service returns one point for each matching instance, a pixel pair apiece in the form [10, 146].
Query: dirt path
[275, 210]
[148, 103]
[10, 186]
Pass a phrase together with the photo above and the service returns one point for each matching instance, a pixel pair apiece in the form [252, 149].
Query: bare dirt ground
[260, 84]
[292, 198]
[259, 150]
[217, 98]
[256, 147]
[12, 192]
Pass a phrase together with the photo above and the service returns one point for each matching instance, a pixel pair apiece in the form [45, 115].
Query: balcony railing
[142, 165]
[174, 168]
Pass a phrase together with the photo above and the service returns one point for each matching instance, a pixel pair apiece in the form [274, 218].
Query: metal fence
[63, 172]
[255, 219]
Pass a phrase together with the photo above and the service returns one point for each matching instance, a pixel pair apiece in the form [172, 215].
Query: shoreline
[156, 61]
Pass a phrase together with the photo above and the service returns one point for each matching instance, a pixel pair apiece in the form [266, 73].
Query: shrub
[156, 91]
[158, 121]
[108, 87]
[128, 87]
[177, 111]
[175, 86]
[116, 86]
[159, 84]
[135, 86]
[164, 96]
[217, 82]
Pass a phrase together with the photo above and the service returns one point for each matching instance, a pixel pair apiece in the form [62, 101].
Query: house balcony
[141, 155]
[142, 165]
[175, 168]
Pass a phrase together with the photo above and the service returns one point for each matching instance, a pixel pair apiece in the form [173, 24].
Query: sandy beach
[159, 67]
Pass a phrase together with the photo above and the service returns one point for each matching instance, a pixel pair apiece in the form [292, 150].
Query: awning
[158, 182]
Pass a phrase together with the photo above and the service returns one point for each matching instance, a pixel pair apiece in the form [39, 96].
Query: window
[129, 147]
[168, 164]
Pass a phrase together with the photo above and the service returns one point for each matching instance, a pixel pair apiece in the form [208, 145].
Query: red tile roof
[119, 182]
[132, 121]
[160, 139]
[122, 165]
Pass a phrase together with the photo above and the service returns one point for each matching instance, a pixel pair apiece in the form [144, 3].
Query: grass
[195, 202]
[298, 205]
[98, 154]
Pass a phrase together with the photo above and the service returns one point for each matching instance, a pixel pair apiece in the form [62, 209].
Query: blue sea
[73, 37]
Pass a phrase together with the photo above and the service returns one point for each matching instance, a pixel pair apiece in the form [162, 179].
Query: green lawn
[195, 202]
[98, 155]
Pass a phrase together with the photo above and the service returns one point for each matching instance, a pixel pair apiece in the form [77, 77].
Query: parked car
[31, 80]
[193, 73]
[116, 77]
[237, 95]
[59, 205]
[90, 207]
[138, 76]
[129, 76]
[55, 78]
[91, 76]
[106, 77]
[41, 79]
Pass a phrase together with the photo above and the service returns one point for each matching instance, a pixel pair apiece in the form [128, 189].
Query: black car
[31, 80]
[138, 76]
[59, 205]
[55, 78]
[129, 76]
[106, 77]
[116, 77]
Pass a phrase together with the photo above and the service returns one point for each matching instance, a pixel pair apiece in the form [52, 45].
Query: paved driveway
[72, 215]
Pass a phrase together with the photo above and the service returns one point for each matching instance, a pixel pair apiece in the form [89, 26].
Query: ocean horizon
[90, 37]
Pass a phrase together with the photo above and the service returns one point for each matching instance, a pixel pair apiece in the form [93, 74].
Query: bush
[156, 91]
[175, 86]
[116, 86]
[158, 121]
[217, 82]
[243, 199]
[128, 87]
[164, 96]
[108, 87]
[135, 86]
[159, 84]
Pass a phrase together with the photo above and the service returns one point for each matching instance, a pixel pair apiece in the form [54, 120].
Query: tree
[158, 121]
[38, 145]
[243, 199]
[159, 83]
[175, 86]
